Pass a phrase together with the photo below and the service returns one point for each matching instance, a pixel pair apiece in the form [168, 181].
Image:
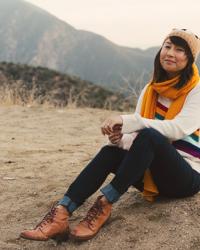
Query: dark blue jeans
[173, 176]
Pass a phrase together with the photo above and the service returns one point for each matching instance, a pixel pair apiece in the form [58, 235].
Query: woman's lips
[169, 61]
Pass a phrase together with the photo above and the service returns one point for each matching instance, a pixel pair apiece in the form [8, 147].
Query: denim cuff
[111, 194]
[68, 203]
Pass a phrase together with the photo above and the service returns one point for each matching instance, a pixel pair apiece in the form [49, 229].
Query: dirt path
[42, 151]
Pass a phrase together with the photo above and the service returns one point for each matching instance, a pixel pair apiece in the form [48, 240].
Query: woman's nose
[170, 52]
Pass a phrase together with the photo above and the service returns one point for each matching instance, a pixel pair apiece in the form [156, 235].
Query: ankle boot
[96, 217]
[55, 223]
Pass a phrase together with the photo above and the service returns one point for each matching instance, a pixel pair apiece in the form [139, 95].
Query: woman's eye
[167, 46]
[180, 49]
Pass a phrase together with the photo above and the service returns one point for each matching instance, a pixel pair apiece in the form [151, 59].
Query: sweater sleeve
[185, 123]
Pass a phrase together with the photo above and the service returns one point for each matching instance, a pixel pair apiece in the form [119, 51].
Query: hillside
[30, 35]
[42, 151]
[22, 84]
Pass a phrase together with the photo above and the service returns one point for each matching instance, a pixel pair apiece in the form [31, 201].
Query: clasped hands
[112, 127]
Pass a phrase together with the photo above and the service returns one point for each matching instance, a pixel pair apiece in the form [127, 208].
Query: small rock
[9, 178]
[9, 162]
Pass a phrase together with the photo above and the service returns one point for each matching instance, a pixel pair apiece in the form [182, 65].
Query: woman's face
[172, 58]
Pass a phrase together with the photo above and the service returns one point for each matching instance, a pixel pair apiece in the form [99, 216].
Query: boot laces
[48, 218]
[93, 213]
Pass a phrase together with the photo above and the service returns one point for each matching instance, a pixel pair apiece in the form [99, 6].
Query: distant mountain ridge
[30, 35]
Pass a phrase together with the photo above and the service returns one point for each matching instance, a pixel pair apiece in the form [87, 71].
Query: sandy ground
[42, 151]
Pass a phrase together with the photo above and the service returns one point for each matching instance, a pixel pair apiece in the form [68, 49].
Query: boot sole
[27, 238]
[60, 237]
[83, 238]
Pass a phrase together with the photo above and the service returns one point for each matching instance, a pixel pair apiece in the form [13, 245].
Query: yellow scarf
[165, 89]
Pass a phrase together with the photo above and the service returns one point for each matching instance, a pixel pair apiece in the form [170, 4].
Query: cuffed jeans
[173, 176]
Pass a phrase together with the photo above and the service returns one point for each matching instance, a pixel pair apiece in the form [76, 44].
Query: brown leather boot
[55, 223]
[96, 217]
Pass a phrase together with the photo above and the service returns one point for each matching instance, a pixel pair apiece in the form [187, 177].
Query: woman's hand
[111, 125]
[114, 138]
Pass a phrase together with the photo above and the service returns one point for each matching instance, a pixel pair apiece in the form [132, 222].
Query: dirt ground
[41, 152]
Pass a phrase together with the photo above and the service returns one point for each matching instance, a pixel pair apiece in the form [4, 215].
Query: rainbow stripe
[187, 147]
[161, 111]
[189, 144]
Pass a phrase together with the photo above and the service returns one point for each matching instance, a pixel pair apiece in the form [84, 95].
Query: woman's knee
[108, 149]
[105, 150]
[153, 135]
[109, 154]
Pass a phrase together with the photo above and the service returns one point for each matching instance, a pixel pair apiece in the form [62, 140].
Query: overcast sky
[133, 23]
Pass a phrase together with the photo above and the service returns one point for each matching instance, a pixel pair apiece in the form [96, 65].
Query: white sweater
[180, 130]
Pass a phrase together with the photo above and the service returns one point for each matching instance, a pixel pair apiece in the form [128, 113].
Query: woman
[156, 149]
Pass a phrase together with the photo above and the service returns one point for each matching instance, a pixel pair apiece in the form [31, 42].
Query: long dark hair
[160, 74]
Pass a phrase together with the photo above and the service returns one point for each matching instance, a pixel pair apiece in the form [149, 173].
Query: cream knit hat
[192, 40]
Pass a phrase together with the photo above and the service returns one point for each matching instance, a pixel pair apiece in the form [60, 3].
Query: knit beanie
[192, 40]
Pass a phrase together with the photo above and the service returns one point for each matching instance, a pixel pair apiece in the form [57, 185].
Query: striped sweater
[182, 131]
[190, 143]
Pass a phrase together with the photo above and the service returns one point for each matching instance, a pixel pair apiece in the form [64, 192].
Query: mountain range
[30, 35]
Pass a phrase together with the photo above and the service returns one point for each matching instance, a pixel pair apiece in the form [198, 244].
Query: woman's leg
[89, 180]
[92, 176]
[172, 174]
